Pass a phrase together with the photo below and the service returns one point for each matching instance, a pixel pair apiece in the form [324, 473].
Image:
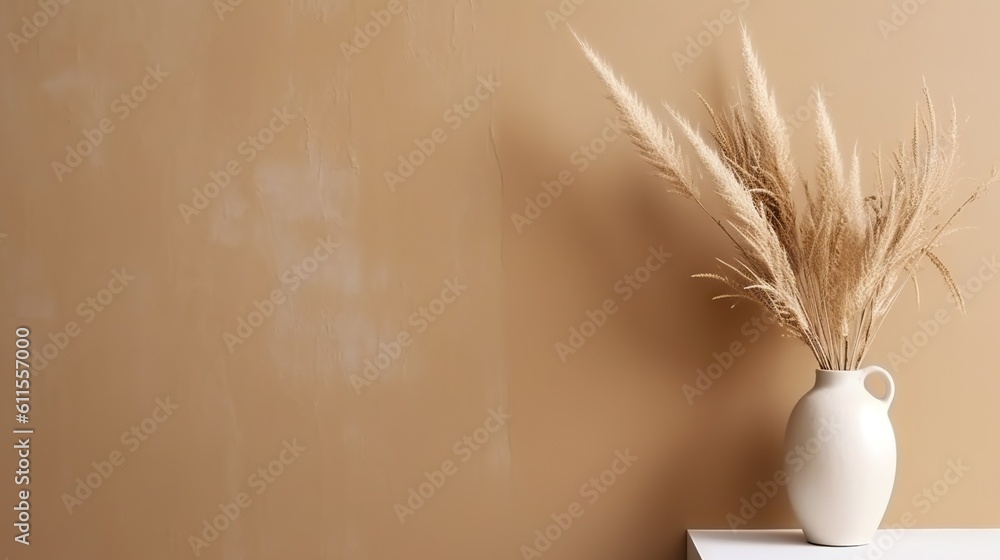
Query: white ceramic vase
[840, 456]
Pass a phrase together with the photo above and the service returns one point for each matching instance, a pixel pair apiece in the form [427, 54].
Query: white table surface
[902, 544]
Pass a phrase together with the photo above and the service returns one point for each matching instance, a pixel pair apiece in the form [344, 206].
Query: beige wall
[316, 189]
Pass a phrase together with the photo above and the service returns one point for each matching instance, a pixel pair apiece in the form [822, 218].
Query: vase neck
[838, 378]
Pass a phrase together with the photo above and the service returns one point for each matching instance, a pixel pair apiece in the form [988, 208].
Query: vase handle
[890, 387]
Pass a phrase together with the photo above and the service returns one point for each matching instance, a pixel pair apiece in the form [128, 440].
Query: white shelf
[902, 544]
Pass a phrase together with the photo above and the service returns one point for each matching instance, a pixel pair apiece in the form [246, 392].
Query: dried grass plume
[831, 271]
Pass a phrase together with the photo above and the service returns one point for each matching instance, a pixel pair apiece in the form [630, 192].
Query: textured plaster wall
[231, 258]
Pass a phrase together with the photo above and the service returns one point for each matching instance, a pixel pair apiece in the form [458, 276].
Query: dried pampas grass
[831, 271]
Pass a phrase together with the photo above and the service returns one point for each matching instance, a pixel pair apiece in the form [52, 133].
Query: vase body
[840, 456]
